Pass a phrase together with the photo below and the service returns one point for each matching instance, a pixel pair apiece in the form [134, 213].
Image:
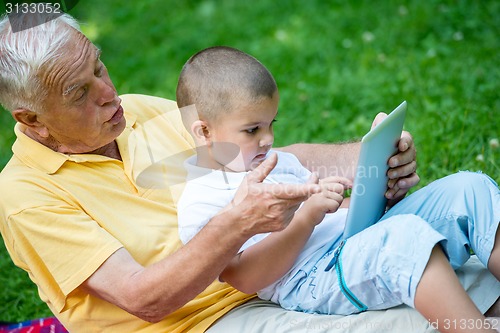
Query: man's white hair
[23, 52]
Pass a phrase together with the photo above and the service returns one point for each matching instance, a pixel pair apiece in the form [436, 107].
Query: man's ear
[201, 132]
[30, 119]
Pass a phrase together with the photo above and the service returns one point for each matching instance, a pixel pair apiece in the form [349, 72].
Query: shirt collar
[37, 156]
[213, 178]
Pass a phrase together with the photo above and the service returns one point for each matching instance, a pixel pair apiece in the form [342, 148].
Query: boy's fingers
[346, 182]
[313, 179]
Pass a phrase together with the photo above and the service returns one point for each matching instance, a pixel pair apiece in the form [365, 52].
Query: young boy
[229, 102]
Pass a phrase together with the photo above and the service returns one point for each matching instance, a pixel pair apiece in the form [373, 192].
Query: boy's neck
[205, 160]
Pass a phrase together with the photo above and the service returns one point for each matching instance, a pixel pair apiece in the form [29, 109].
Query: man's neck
[110, 150]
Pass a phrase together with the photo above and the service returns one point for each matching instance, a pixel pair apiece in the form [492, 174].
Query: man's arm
[341, 160]
[153, 292]
[327, 159]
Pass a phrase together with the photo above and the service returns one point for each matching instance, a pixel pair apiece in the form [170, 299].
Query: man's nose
[107, 93]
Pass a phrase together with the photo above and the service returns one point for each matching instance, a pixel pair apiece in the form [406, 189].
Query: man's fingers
[262, 171]
[378, 119]
[292, 192]
[255, 176]
[403, 158]
[392, 182]
[407, 152]
[405, 142]
[409, 182]
[402, 171]
[399, 187]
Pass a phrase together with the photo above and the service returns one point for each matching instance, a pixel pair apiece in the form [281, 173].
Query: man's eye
[81, 94]
[98, 72]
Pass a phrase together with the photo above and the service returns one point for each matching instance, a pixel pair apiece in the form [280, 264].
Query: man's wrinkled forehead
[71, 86]
[67, 68]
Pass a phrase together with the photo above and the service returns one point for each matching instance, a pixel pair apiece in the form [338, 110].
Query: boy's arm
[267, 261]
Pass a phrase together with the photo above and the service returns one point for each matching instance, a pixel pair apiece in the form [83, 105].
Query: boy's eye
[252, 130]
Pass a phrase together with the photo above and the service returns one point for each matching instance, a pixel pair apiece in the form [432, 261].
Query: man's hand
[402, 167]
[268, 207]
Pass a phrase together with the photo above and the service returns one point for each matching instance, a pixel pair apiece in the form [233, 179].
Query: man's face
[82, 112]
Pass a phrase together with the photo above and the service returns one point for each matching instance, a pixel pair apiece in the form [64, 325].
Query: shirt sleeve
[289, 169]
[60, 247]
[193, 218]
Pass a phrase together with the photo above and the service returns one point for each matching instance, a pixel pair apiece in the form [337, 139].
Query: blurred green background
[337, 64]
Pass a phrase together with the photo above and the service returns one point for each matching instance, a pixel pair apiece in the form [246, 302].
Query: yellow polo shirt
[62, 216]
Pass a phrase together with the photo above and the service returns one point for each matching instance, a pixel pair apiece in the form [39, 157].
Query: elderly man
[84, 205]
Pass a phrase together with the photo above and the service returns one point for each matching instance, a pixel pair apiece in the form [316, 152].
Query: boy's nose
[266, 141]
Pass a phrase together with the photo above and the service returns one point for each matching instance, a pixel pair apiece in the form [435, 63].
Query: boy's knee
[466, 181]
[469, 179]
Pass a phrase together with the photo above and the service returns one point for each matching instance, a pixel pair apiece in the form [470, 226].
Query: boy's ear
[200, 131]
[30, 119]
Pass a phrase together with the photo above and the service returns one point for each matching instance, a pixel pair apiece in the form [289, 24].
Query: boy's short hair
[215, 79]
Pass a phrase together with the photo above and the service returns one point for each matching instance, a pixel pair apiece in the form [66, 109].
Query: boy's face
[250, 127]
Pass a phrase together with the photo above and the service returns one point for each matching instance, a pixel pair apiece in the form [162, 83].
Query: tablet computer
[368, 200]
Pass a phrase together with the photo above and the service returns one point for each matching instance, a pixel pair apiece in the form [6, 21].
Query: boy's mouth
[261, 156]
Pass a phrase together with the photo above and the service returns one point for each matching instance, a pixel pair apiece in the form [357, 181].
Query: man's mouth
[117, 116]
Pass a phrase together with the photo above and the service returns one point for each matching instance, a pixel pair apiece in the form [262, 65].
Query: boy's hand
[328, 200]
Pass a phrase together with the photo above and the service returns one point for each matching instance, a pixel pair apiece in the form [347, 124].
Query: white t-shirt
[208, 191]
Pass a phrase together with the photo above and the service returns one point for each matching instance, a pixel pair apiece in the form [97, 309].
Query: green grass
[337, 64]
